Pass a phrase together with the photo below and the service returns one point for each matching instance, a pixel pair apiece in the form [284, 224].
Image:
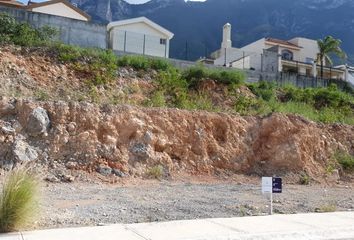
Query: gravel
[83, 204]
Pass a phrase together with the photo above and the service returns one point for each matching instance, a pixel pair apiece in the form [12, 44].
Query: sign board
[267, 184]
[277, 185]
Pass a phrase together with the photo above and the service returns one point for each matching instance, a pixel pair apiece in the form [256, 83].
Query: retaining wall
[72, 31]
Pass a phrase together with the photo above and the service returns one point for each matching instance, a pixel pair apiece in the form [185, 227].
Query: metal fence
[144, 44]
[298, 80]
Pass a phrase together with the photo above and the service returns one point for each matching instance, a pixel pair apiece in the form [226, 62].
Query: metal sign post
[271, 185]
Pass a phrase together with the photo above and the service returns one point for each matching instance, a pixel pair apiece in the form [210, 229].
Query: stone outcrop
[125, 140]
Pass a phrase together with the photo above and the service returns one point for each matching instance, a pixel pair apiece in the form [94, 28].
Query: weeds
[17, 200]
[156, 172]
[143, 63]
[157, 99]
[195, 75]
[304, 179]
[42, 95]
[326, 208]
[345, 160]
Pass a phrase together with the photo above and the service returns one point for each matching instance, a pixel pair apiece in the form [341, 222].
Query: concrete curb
[320, 226]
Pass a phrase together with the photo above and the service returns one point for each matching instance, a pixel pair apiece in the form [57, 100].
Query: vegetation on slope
[196, 88]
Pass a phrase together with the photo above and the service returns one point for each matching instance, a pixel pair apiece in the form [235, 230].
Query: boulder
[38, 122]
[23, 152]
[104, 170]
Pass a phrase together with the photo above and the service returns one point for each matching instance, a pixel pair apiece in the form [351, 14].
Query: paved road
[320, 226]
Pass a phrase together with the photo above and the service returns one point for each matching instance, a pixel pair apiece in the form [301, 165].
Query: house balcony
[307, 69]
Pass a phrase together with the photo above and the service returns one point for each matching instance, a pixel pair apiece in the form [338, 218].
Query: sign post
[271, 185]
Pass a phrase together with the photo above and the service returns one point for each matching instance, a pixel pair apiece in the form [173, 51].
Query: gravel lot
[81, 204]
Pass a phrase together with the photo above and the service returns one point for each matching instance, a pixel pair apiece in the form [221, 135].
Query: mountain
[197, 25]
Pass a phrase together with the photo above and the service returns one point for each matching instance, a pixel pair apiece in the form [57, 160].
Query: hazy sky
[129, 1]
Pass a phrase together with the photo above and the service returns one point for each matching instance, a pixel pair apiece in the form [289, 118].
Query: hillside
[199, 23]
[51, 114]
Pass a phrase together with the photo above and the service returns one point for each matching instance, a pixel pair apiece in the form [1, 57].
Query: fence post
[125, 41]
[144, 44]
[225, 58]
[243, 57]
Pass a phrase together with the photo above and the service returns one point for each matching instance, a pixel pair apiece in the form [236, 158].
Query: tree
[328, 46]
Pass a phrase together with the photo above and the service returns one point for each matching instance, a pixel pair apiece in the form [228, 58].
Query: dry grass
[18, 200]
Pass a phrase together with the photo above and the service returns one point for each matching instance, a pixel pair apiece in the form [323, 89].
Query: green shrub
[174, 87]
[143, 63]
[160, 64]
[345, 160]
[329, 97]
[195, 75]
[24, 34]
[18, 200]
[200, 101]
[157, 99]
[263, 89]
[100, 64]
[227, 76]
[246, 105]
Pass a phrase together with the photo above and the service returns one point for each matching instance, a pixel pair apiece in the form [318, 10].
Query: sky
[129, 1]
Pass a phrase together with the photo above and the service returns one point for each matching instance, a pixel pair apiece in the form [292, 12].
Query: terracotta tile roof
[282, 42]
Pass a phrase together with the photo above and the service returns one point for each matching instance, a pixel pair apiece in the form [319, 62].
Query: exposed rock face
[128, 140]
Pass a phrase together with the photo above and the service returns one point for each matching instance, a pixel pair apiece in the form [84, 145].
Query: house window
[162, 41]
[287, 55]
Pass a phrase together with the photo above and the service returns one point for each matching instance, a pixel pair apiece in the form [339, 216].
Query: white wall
[140, 27]
[60, 9]
[131, 38]
[232, 54]
[256, 47]
[244, 63]
[309, 48]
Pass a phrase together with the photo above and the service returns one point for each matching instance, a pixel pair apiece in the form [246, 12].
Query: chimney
[226, 36]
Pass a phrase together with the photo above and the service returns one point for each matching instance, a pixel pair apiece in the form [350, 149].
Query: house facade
[297, 55]
[61, 8]
[140, 36]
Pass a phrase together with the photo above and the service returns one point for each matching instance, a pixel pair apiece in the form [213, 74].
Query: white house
[139, 35]
[296, 55]
[60, 8]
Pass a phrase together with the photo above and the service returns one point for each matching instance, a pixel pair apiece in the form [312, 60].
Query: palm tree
[327, 46]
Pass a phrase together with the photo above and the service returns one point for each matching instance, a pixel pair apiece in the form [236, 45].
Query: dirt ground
[82, 204]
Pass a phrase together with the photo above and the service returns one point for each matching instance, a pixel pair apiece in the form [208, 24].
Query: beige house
[139, 35]
[60, 8]
[297, 55]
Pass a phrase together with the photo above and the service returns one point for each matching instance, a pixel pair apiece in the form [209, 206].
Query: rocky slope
[125, 140]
